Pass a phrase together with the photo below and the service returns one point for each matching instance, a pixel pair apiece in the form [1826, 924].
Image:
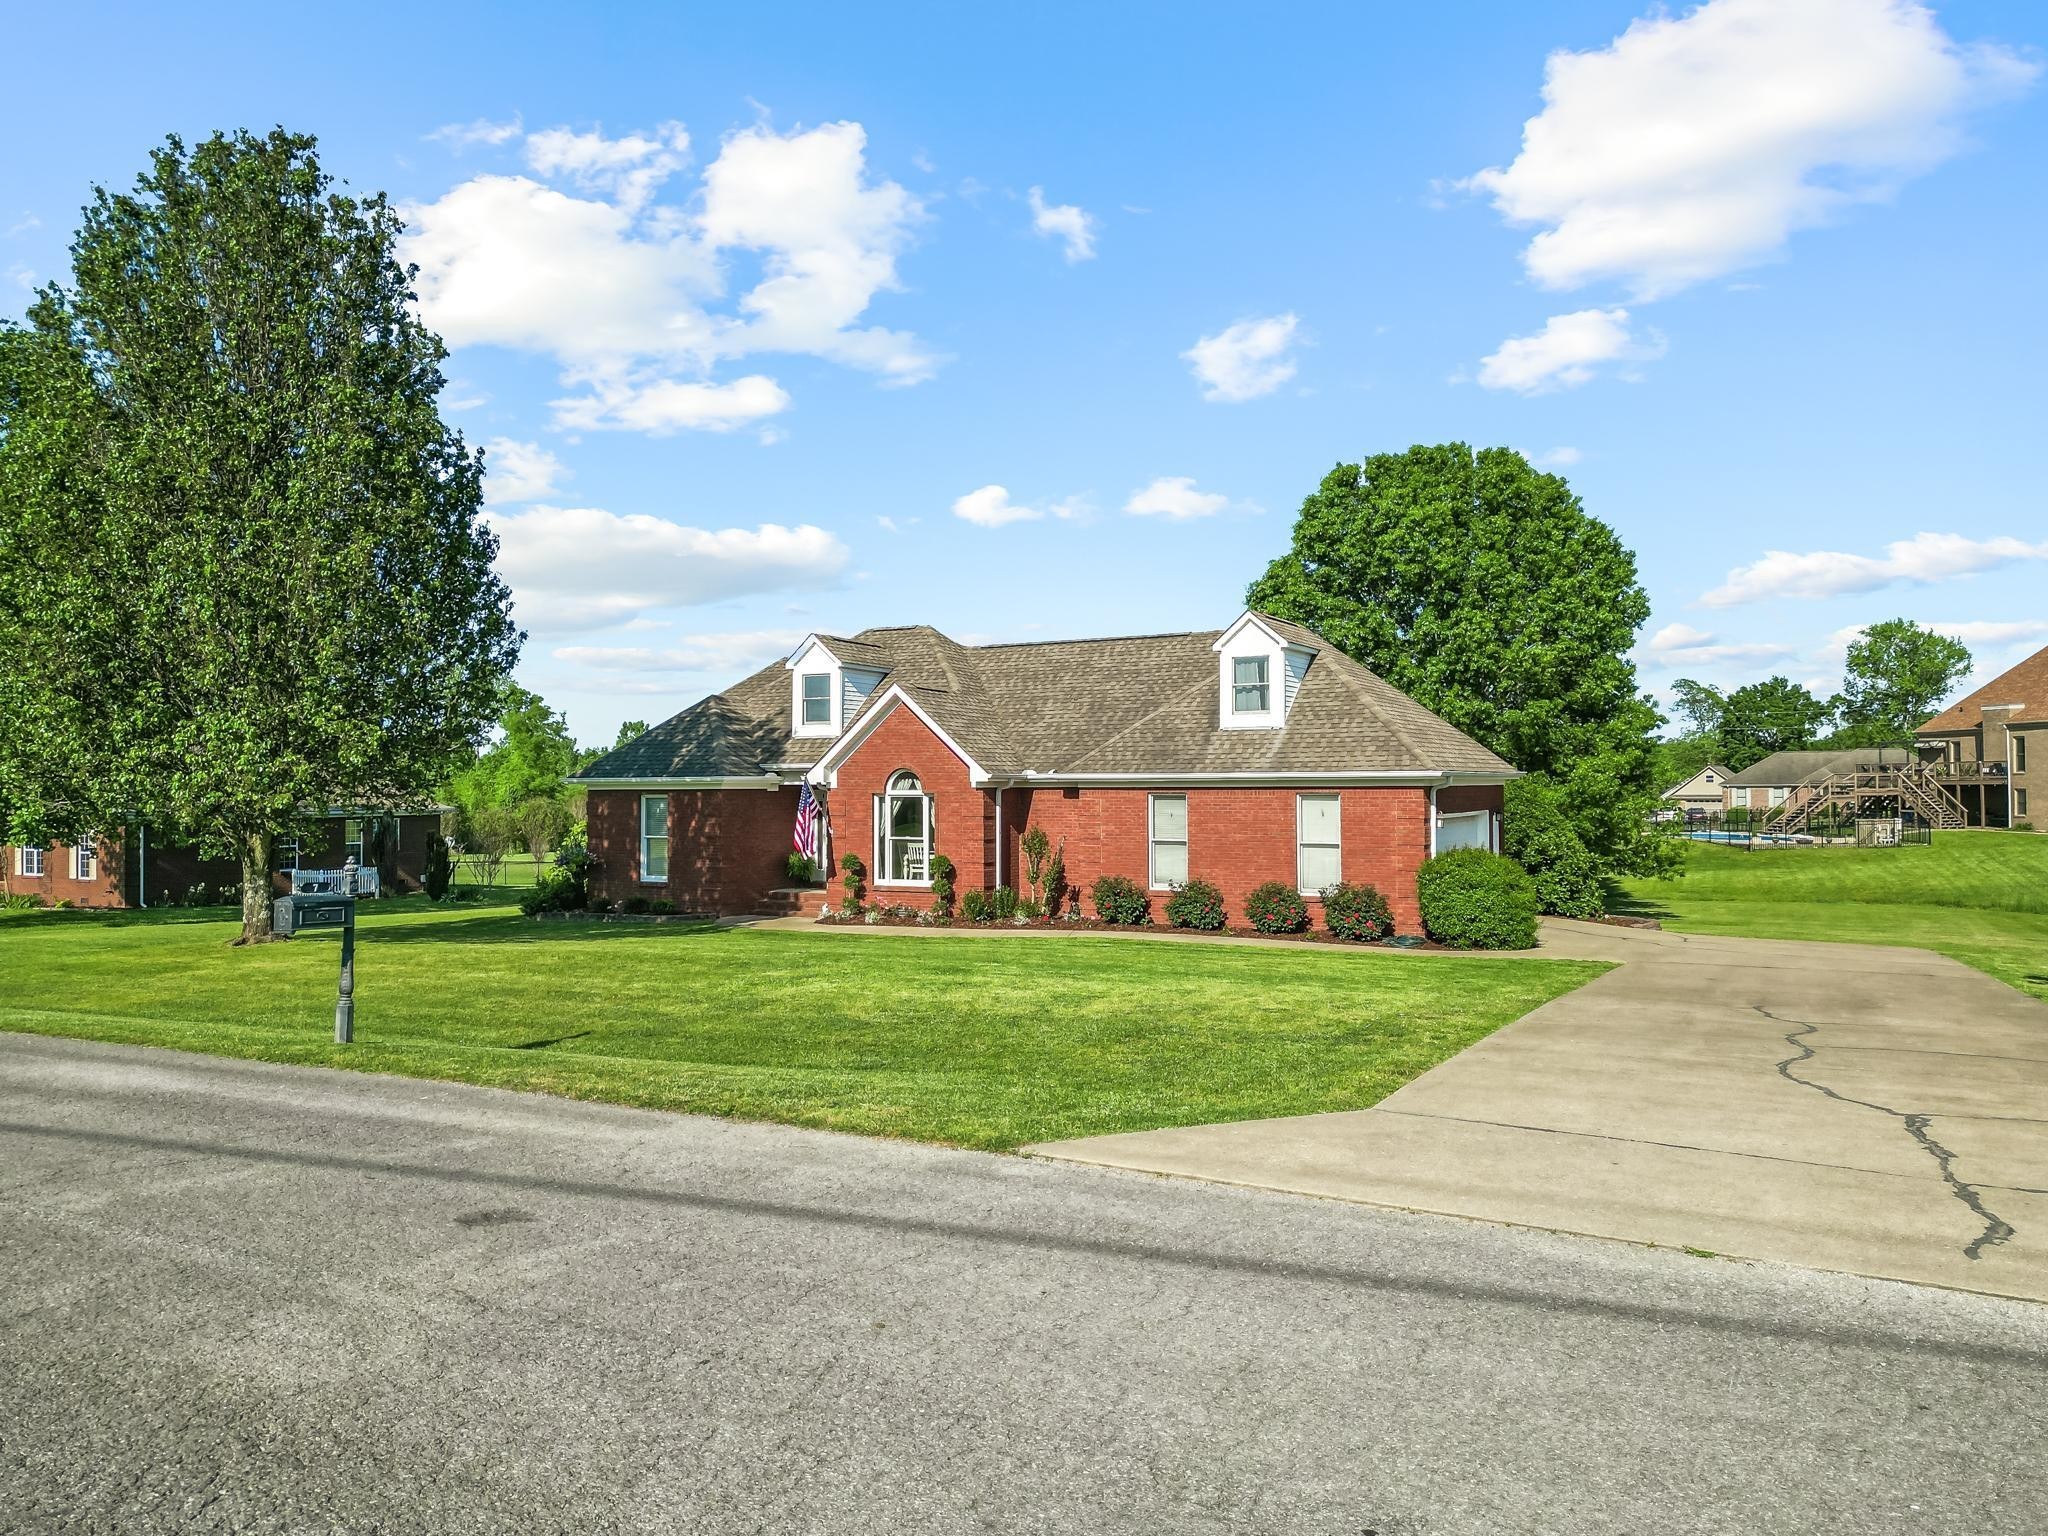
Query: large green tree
[1775, 715]
[243, 571]
[1895, 677]
[1482, 588]
[519, 786]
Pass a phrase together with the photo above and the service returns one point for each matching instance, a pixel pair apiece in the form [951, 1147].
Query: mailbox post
[345, 1003]
[290, 914]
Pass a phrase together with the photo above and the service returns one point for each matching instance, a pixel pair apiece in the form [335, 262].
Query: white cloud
[1064, 221]
[585, 568]
[1174, 496]
[1695, 144]
[1680, 645]
[1557, 458]
[991, 507]
[661, 406]
[1924, 558]
[1994, 631]
[516, 471]
[1570, 350]
[23, 225]
[460, 136]
[22, 276]
[629, 292]
[734, 654]
[628, 169]
[1245, 360]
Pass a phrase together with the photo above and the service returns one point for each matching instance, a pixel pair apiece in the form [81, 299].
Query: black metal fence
[1754, 828]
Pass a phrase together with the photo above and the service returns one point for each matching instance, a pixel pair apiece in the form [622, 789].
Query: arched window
[907, 831]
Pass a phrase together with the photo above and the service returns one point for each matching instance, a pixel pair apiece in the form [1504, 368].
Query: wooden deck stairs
[1913, 788]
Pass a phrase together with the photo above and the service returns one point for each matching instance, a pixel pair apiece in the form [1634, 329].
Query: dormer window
[1260, 665]
[817, 699]
[1251, 685]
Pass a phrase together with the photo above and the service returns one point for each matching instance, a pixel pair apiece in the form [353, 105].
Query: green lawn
[1979, 896]
[981, 1042]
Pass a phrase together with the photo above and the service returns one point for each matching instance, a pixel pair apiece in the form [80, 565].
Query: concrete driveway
[1872, 1110]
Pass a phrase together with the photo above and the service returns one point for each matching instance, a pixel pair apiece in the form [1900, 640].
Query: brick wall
[1237, 839]
[963, 817]
[727, 848]
[56, 884]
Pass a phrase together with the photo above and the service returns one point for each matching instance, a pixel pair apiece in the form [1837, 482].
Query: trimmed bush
[661, 906]
[976, 907]
[850, 902]
[597, 905]
[1276, 907]
[635, 906]
[1198, 904]
[1357, 912]
[942, 885]
[532, 903]
[1476, 900]
[1002, 903]
[1536, 834]
[1118, 900]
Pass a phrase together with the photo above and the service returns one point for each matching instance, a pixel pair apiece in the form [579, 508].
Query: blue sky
[770, 331]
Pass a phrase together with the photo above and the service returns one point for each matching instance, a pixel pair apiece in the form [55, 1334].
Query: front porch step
[794, 901]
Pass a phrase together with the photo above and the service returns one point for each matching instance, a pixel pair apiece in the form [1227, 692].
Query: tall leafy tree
[1484, 589]
[243, 572]
[1895, 677]
[1776, 715]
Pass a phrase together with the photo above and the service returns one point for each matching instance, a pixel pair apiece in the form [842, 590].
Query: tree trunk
[256, 848]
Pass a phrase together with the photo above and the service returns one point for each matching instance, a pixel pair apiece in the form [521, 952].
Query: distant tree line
[1894, 678]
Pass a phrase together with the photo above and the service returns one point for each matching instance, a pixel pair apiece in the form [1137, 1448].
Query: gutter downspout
[999, 834]
[1432, 819]
[142, 864]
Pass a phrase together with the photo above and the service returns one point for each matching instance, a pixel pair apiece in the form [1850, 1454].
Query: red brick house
[145, 866]
[1255, 753]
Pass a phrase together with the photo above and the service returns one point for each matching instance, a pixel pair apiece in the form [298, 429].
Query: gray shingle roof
[1129, 705]
[1781, 770]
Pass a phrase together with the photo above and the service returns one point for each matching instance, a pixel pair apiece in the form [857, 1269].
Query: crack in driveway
[1996, 1229]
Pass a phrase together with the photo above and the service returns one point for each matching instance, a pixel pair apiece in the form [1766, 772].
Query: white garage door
[1466, 829]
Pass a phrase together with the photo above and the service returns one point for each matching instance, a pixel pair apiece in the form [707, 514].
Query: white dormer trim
[1286, 664]
[814, 658]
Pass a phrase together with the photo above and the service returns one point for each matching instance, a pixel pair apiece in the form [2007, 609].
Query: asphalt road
[246, 1298]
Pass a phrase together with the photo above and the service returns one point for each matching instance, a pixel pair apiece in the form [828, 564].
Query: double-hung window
[2019, 803]
[2019, 754]
[1169, 841]
[285, 854]
[653, 838]
[352, 841]
[29, 862]
[1251, 689]
[1319, 851]
[817, 698]
[1778, 796]
[85, 862]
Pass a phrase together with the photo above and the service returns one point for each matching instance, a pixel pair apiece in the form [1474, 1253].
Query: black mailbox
[290, 914]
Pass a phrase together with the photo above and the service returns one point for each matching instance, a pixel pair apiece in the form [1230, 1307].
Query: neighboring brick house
[1991, 742]
[143, 866]
[1255, 753]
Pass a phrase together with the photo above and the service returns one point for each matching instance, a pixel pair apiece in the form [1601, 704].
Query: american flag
[806, 838]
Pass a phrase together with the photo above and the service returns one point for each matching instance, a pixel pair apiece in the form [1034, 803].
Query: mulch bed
[1162, 930]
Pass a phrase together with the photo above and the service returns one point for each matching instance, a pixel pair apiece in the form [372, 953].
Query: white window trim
[1153, 840]
[667, 839]
[23, 858]
[85, 860]
[803, 701]
[886, 819]
[1274, 714]
[811, 659]
[1300, 844]
[277, 855]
